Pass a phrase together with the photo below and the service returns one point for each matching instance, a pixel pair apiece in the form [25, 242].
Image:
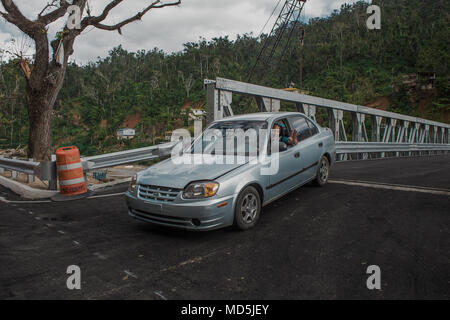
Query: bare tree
[187, 83]
[45, 80]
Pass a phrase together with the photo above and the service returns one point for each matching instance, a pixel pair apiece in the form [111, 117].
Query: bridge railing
[372, 129]
[385, 126]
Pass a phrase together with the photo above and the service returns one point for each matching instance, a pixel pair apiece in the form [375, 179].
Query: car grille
[161, 219]
[157, 193]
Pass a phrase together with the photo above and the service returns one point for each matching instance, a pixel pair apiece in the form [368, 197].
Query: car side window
[302, 127]
[313, 128]
[284, 132]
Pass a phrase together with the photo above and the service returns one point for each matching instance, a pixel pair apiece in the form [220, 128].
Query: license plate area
[153, 208]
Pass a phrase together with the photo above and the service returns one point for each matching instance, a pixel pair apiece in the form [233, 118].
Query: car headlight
[133, 184]
[201, 190]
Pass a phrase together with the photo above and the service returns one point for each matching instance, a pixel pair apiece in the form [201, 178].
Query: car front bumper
[199, 215]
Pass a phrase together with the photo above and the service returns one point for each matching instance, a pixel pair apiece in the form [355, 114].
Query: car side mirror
[282, 147]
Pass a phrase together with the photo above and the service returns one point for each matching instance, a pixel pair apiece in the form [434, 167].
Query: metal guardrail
[43, 170]
[28, 167]
[376, 147]
[127, 156]
[47, 170]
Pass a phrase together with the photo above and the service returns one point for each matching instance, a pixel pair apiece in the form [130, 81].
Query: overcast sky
[166, 28]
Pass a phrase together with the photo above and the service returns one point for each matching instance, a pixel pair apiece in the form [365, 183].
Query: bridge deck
[313, 243]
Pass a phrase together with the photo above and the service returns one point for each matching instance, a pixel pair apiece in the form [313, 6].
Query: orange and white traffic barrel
[70, 172]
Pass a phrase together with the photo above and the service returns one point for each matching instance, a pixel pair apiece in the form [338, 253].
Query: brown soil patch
[381, 103]
[132, 121]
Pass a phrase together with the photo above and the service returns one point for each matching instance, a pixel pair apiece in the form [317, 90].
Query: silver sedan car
[206, 195]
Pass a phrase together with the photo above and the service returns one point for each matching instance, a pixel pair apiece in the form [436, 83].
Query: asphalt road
[315, 243]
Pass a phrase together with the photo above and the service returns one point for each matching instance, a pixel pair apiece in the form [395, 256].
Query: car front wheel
[323, 171]
[248, 209]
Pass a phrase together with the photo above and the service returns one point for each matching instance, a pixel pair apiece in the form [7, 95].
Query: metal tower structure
[290, 13]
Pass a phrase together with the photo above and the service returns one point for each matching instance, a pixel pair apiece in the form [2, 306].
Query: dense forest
[343, 60]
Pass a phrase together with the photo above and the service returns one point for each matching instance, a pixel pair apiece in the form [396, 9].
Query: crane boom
[289, 13]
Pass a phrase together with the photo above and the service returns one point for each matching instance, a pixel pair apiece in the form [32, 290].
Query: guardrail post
[30, 177]
[47, 171]
[14, 173]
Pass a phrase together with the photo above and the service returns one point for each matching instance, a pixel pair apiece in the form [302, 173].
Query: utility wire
[273, 12]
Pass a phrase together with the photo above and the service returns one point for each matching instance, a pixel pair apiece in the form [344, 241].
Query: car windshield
[239, 137]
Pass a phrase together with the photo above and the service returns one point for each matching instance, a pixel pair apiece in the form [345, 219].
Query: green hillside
[342, 61]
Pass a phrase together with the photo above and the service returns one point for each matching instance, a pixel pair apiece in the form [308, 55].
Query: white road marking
[76, 242]
[106, 195]
[61, 232]
[194, 260]
[159, 294]
[394, 187]
[128, 273]
[100, 256]
[3, 199]
[31, 201]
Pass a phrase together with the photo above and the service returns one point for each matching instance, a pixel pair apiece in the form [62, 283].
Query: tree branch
[16, 17]
[96, 21]
[49, 5]
[55, 14]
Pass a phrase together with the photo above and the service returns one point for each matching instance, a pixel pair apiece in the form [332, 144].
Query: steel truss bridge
[391, 134]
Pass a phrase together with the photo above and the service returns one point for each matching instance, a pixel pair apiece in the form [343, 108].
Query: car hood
[179, 174]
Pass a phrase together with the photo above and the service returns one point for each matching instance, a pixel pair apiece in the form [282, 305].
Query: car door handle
[321, 145]
[297, 155]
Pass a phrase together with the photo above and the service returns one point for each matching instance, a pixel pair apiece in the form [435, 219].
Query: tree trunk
[40, 109]
[42, 90]
[39, 116]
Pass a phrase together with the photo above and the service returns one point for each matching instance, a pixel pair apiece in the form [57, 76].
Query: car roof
[261, 116]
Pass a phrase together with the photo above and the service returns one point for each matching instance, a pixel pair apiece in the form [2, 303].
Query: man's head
[277, 127]
[276, 130]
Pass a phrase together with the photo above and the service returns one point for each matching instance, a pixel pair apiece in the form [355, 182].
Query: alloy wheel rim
[323, 171]
[249, 208]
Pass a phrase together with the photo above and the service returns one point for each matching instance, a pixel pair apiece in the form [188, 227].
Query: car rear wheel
[248, 209]
[323, 172]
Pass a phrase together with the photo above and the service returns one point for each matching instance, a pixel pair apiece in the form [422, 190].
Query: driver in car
[280, 131]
